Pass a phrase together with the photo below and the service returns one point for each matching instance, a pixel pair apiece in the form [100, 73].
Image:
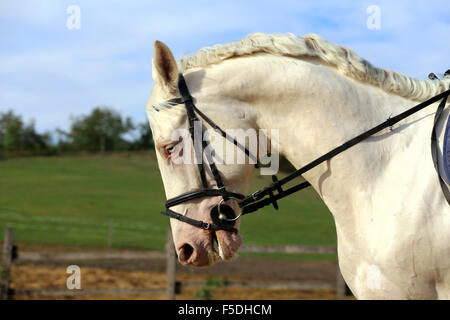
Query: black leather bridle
[223, 216]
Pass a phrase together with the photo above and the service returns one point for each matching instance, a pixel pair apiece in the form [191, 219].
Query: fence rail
[171, 260]
[90, 292]
[161, 291]
[289, 249]
[75, 256]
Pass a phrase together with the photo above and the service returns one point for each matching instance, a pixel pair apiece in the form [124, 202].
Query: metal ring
[223, 216]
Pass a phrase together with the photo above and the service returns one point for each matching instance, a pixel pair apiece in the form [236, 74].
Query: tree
[63, 141]
[16, 136]
[144, 141]
[11, 127]
[100, 131]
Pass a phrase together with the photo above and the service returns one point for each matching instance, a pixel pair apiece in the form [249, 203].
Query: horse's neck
[316, 110]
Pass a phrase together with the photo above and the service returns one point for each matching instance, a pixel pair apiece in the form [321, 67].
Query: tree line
[102, 130]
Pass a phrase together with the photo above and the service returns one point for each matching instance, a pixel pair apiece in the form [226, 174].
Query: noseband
[222, 215]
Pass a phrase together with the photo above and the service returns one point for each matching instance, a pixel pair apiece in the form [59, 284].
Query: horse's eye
[170, 149]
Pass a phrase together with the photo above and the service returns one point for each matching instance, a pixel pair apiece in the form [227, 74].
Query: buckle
[257, 195]
[206, 225]
[222, 189]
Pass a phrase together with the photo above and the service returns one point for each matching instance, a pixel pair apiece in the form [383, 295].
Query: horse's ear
[165, 69]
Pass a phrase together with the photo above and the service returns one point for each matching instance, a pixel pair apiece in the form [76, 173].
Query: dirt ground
[130, 274]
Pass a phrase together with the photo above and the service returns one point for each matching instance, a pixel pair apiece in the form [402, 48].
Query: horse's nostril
[185, 252]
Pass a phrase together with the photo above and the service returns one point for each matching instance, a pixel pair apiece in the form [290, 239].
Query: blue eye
[170, 149]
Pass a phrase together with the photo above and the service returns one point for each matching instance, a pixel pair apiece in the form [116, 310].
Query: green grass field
[72, 201]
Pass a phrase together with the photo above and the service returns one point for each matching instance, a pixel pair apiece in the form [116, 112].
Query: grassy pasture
[72, 200]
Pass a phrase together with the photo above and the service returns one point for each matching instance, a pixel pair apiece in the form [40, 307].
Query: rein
[223, 216]
[251, 203]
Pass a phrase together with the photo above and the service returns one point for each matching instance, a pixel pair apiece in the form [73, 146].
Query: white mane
[312, 45]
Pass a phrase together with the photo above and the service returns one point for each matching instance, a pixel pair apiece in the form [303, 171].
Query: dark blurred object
[432, 76]
[178, 287]
[447, 74]
[14, 252]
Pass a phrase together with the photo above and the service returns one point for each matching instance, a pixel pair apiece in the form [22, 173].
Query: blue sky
[49, 73]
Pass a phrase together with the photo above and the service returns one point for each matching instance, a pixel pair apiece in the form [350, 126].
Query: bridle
[222, 215]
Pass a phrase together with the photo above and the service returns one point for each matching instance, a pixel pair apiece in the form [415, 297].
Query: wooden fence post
[170, 266]
[340, 285]
[6, 263]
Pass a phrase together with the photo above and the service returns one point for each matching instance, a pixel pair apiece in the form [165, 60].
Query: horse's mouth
[224, 245]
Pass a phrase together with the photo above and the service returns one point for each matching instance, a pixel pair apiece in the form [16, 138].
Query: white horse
[392, 220]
